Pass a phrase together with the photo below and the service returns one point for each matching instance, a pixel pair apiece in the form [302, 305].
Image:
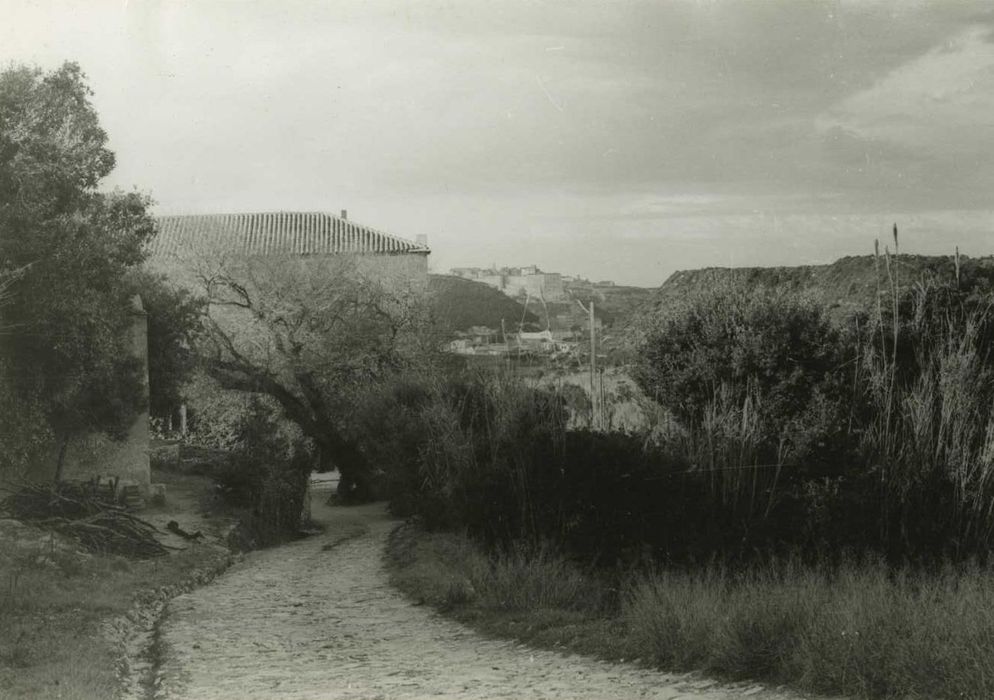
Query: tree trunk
[61, 463]
[354, 483]
[313, 417]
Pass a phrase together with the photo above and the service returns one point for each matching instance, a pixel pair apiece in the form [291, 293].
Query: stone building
[312, 239]
[306, 246]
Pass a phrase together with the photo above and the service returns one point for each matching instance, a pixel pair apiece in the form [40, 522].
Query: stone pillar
[136, 447]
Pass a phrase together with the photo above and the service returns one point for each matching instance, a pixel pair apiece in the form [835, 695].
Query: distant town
[527, 281]
[551, 322]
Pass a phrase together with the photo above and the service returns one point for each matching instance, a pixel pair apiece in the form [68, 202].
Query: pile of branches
[87, 512]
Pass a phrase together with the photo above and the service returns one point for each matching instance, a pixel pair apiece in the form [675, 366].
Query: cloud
[689, 128]
[923, 131]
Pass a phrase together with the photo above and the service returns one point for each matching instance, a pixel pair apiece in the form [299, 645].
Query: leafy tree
[730, 344]
[22, 434]
[267, 474]
[312, 335]
[67, 320]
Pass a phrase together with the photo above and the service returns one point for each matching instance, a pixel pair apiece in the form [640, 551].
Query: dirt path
[318, 619]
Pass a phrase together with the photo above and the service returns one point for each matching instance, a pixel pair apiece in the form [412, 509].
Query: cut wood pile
[88, 512]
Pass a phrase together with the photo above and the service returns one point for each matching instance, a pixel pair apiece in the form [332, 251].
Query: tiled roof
[293, 233]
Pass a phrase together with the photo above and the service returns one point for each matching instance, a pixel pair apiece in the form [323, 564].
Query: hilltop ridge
[846, 285]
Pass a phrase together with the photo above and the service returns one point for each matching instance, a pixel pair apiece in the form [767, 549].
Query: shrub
[389, 428]
[772, 353]
[267, 475]
[877, 434]
[490, 455]
[783, 452]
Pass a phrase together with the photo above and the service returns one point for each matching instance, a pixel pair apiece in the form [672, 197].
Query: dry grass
[448, 570]
[51, 643]
[51, 639]
[861, 630]
[530, 594]
[536, 577]
[933, 432]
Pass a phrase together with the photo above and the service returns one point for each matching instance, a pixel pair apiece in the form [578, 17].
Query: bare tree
[311, 333]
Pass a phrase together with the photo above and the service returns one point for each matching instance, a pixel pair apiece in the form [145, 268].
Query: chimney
[345, 213]
[422, 240]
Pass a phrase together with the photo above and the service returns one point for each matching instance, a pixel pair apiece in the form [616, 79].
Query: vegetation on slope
[460, 304]
[817, 509]
[614, 305]
[847, 285]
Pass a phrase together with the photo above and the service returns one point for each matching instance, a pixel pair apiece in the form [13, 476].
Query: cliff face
[849, 284]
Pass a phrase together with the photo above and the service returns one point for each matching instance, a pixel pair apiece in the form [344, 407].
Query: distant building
[481, 335]
[518, 281]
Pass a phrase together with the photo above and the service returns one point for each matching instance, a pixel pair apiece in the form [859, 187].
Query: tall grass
[930, 428]
[726, 451]
[449, 569]
[529, 576]
[861, 629]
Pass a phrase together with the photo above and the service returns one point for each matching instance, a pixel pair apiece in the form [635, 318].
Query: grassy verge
[55, 604]
[532, 595]
[861, 630]
[51, 639]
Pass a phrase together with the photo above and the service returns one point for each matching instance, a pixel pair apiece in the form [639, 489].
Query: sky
[617, 140]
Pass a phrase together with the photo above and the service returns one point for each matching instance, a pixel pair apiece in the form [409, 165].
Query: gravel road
[317, 619]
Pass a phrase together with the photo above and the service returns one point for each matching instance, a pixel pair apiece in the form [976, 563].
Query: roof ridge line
[222, 215]
[295, 232]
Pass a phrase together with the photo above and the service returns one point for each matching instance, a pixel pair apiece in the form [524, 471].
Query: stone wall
[186, 270]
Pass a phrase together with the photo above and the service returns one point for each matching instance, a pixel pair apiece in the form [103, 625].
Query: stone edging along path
[134, 634]
[318, 620]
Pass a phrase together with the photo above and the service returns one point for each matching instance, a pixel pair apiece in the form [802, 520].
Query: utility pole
[594, 403]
